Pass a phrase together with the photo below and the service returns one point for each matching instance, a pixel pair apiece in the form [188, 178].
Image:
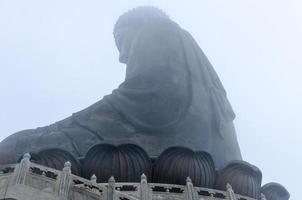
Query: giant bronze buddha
[170, 101]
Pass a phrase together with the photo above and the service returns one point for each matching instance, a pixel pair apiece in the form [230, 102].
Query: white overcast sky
[58, 57]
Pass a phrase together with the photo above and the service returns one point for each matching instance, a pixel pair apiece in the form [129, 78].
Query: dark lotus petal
[126, 162]
[244, 178]
[275, 191]
[55, 158]
[175, 164]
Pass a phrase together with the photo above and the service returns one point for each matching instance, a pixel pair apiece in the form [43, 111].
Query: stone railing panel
[65, 186]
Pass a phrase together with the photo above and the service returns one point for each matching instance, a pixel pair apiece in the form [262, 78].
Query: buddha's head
[129, 24]
[124, 37]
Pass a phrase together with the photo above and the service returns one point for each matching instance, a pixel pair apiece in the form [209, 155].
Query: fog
[58, 57]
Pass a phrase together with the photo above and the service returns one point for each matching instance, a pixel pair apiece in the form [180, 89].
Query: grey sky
[58, 57]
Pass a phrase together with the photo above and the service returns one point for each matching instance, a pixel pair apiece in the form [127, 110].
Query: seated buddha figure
[171, 96]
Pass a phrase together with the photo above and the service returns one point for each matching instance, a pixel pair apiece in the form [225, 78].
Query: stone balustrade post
[64, 182]
[22, 169]
[230, 191]
[111, 189]
[93, 179]
[191, 193]
[144, 192]
[262, 196]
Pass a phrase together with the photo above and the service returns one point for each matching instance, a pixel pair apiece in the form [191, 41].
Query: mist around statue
[146, 122]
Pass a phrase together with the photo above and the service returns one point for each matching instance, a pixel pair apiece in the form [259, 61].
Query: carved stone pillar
[64, 182]
[230, 191]
[111, 189]
[144, 191]
[22, 169]
[191, 193]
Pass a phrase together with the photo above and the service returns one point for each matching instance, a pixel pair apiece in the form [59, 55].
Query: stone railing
[40, 182]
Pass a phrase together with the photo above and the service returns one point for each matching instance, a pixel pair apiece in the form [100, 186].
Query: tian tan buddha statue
[170, 113]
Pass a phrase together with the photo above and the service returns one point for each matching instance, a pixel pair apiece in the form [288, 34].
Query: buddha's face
[123, 38]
